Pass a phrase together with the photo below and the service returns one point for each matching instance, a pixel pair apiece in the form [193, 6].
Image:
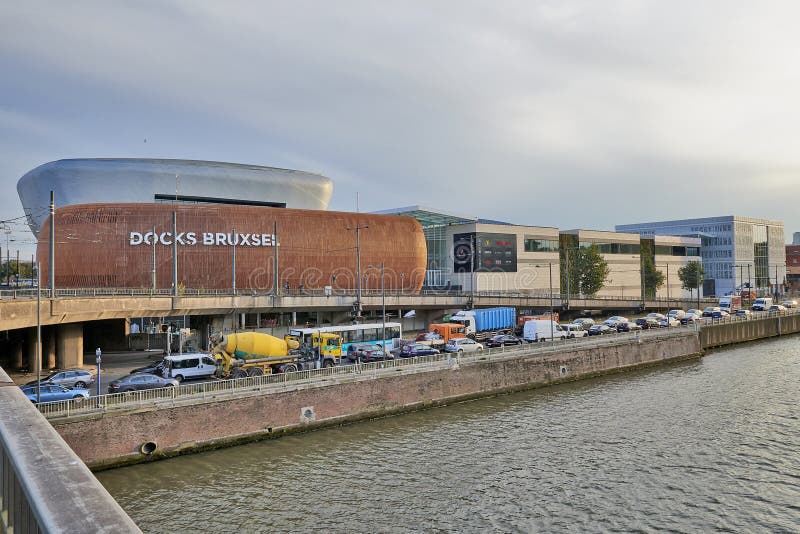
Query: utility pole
[357, 304]
[174, 253]
[233, 261]
[52, 273]
[154, 259]
[275, 286]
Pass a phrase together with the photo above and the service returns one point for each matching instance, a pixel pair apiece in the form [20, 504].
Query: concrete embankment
[117, 438]
[739, 330]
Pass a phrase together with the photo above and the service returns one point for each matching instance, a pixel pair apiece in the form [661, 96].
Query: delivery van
[762, 303]
[542, 330]
[185, 366]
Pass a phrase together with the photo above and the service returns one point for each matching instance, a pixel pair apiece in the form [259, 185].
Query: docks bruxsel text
[204, 238]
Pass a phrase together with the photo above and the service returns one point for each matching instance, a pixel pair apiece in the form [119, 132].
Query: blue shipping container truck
[483, 323]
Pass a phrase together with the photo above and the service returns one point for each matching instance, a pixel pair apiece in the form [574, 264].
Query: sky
[574, 114]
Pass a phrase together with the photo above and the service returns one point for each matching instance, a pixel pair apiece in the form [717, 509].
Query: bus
[355, 333]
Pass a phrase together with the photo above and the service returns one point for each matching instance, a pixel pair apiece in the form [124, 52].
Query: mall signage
[204, 239]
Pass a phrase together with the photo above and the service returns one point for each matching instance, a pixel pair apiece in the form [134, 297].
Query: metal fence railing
[99, 292]
[201, 390]
[44, 486]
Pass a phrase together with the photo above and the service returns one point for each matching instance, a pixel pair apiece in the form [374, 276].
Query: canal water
[705, 445]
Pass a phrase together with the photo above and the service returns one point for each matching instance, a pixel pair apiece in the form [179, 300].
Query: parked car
[414, 349]
[601, 329]
[584, 322]
[709, 311]
[155, 368]
[503, 339]
[54, 392]
[613, 320]
[775, 308]
[692, 311]
[789, 303]
[667, 322]
[647, 323]
[628, 327]
[429, 336]
[73, 378]
[721, 314]
[189, 365]
[743, 313]
[463, 344]
[677, 314]
[574, 330]
[140, 381]
[656, 316]
[691, 318]
[366, 353]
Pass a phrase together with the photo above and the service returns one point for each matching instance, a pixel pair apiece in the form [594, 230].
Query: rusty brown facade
[112, 245]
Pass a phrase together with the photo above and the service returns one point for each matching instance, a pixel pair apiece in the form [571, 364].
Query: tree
[691, 275]
[652, 279]
[587, 272]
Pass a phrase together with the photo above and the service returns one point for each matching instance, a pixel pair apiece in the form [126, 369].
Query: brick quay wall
[117, 438]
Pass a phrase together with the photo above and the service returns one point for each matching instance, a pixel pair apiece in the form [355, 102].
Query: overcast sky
[553, 113]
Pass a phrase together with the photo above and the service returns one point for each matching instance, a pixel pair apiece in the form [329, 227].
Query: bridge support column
[69, 345]
[30, 347]
[49, 347]
[17, 359]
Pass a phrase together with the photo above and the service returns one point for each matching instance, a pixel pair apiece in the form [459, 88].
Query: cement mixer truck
[256, 354]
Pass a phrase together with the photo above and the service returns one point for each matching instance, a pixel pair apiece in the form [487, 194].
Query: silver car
[71, 378]
[462, 345]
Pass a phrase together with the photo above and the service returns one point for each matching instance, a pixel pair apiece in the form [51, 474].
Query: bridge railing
[99, 292]
[44, 486]
[171, 395]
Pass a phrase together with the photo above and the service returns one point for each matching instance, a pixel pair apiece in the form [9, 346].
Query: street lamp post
[98, 353]
[358, 229]
[552, 309]
[383, 303]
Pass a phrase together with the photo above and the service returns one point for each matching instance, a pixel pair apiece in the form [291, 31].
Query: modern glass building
[737, 252]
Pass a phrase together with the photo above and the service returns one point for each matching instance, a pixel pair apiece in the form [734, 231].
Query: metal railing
[204, 390]
[44, 486]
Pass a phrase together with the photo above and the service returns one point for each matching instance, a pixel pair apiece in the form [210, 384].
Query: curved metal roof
[83, 181]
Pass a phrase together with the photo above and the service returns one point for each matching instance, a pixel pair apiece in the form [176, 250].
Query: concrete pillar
[49, 348]
[69, 345]
[30, 345]
[294, 318]
[16, 349]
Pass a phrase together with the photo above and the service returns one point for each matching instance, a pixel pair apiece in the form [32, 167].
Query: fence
[171, 395]
[44, 486]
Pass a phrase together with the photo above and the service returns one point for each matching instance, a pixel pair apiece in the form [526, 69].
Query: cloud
[557, 113]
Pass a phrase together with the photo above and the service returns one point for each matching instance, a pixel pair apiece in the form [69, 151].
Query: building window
[613, 248]
[541, 245]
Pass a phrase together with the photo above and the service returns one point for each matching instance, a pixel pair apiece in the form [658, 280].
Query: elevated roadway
[18, 308]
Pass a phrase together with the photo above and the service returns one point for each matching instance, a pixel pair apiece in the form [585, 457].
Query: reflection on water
[712, 444]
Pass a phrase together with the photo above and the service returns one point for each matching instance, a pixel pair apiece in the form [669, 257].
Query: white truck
[542, 330]
[762, 303]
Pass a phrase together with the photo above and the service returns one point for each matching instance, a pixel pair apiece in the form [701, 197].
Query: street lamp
[552, 313]
[98, 353]
[358, 229]
[383, 304]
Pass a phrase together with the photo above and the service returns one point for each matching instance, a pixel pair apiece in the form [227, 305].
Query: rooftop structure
[86, 181]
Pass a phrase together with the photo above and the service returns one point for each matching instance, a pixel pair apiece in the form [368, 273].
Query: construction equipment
[255, 354]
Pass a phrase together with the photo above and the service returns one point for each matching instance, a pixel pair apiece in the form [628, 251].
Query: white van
[185, 366]
[542, 330]
[574, 330]
[762, 303]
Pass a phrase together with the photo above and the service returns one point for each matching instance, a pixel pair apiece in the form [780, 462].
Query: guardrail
[168, 396]
[102, 292]
[44, 486]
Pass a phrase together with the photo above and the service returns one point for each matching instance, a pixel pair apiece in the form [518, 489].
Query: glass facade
[613, 248]
[540, 245]
[760, 255]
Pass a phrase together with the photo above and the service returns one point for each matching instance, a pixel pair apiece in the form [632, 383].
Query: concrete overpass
[108, 310]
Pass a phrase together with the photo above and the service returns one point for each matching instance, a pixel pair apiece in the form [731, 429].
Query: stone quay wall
[118, 438]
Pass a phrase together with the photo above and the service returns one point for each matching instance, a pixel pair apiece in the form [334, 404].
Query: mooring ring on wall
[148, 447]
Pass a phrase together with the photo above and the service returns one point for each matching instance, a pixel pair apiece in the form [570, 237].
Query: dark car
[71, 378]
[503, 339]
[601, 329]
[410, 351]
[648, 322]
[154, 368]
[140, 381]
[628, 327]
[366, 353]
